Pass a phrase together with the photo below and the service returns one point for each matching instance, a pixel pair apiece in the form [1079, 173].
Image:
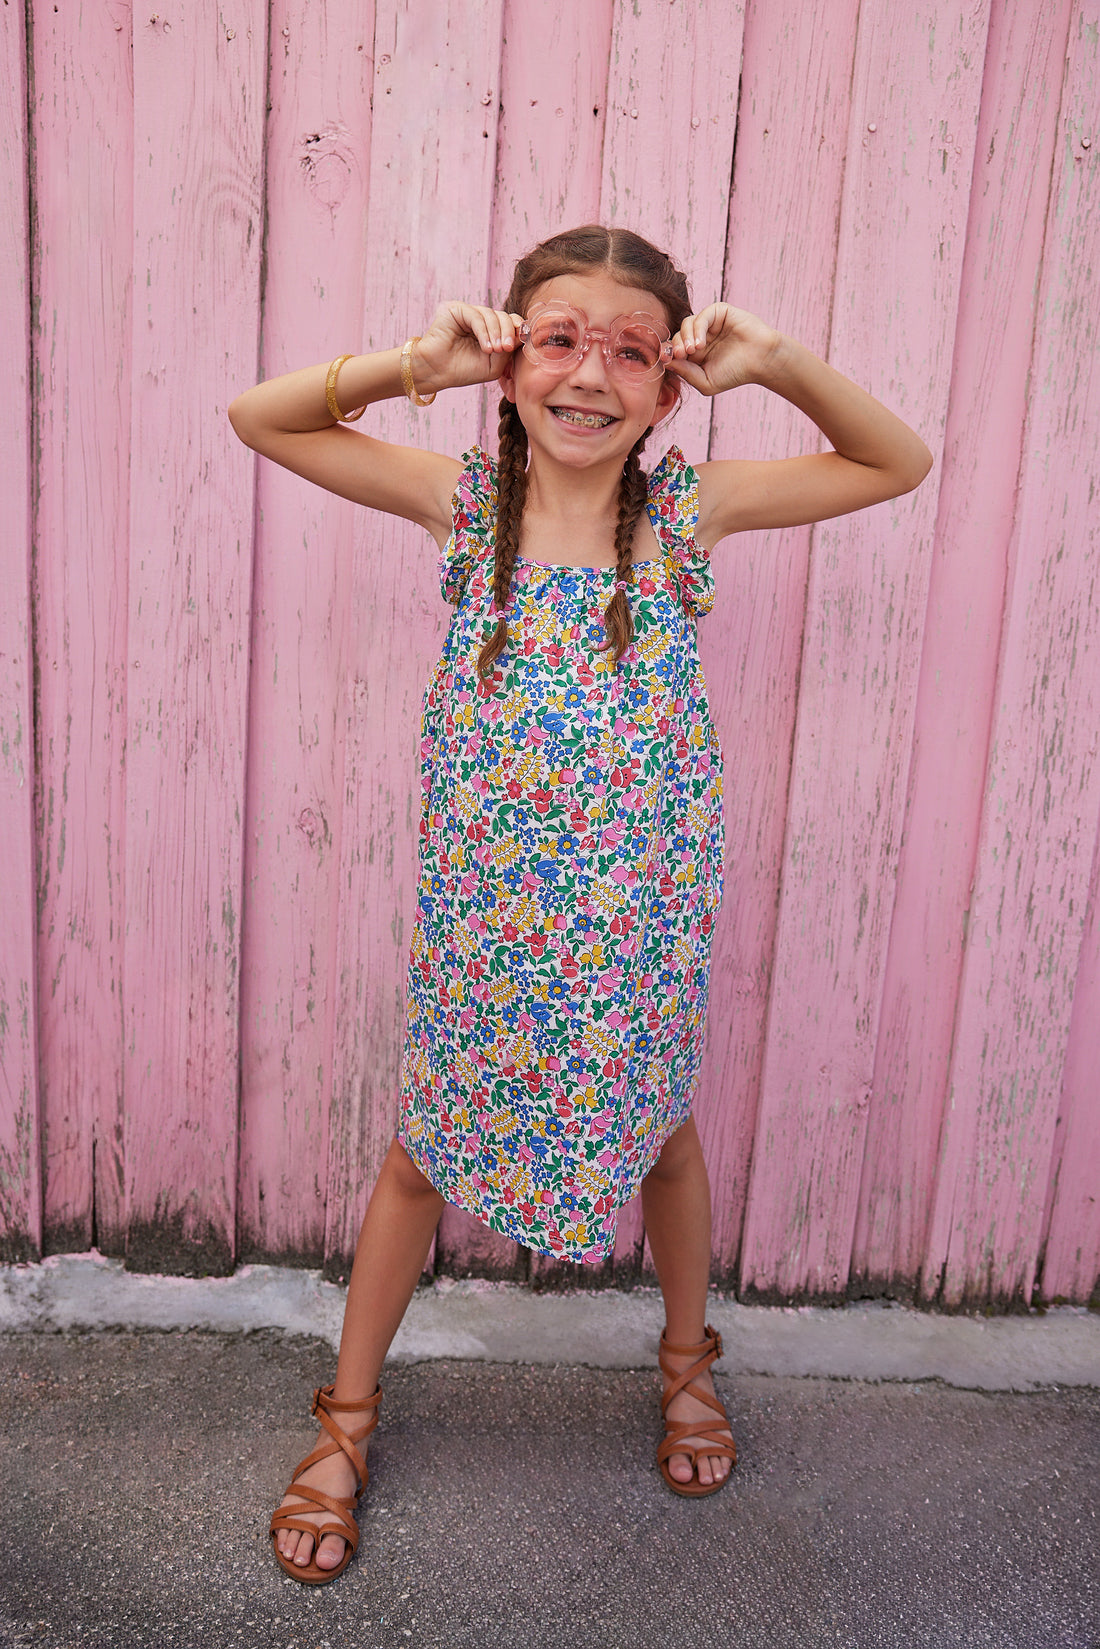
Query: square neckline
[577, 567]
[672, 506]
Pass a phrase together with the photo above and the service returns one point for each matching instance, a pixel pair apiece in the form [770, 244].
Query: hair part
[631, 261]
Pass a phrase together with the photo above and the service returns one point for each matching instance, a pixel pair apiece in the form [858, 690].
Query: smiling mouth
[586, 420]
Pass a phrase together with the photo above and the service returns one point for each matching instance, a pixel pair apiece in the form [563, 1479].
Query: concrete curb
[503, 1323]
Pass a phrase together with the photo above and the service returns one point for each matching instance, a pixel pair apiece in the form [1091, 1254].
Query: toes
[330, 1551]
[680, 1468]
[713, 1468]
[295, 1546]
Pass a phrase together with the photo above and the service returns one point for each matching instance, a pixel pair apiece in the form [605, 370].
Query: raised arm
[287, 419]
[875, 455]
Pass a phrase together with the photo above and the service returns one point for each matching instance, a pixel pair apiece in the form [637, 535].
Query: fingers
[691, 373]
[697, 330]
[494, 329]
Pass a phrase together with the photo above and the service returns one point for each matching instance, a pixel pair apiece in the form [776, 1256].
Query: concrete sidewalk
[518, 1502]
[520, 1505]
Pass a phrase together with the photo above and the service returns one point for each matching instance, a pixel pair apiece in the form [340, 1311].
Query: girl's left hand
[722, 348]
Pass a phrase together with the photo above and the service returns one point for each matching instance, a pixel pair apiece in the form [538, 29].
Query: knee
[407, 1177]
[681, 1154]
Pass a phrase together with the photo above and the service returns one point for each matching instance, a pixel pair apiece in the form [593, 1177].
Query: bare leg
[676, 1209]
[400, 1221]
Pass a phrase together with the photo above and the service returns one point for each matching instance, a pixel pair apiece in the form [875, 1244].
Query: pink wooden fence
[210, 674]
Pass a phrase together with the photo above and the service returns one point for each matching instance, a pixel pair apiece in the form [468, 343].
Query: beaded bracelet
[407, 376]
[330, 394]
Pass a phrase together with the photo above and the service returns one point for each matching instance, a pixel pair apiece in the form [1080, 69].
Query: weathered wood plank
[20, 1143]
[780, 264]
[82, 119]
[465, 1247]
[668, 150]
[1071, 1226]
[199, 85]
[1024, 943]
[428, 232]
[906, 183]
[1008, 204]
[318, 165]
[553, 96]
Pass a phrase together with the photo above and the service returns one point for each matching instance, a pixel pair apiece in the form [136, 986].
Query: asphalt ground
[520, 1505]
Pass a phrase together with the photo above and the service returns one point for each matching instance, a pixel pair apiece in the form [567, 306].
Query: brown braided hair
[632, 261]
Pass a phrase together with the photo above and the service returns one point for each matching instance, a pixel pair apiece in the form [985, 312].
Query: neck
[588, 494]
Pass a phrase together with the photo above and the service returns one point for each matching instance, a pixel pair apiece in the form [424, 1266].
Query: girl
[571, 833]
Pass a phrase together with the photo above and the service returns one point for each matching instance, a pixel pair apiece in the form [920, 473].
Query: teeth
[590, 420]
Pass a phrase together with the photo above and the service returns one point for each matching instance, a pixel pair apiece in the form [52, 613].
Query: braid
[618, 621]
[511, 496]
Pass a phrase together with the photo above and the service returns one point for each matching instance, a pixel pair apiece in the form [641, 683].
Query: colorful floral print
[571, 845]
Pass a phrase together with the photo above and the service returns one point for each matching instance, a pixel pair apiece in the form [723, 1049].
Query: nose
[590, 372]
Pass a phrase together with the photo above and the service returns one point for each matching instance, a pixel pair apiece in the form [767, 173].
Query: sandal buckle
[717, 1342]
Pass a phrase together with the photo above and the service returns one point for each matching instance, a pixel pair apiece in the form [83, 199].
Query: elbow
[237, 413]
[233, 413]
[925, 463]
[916, 469]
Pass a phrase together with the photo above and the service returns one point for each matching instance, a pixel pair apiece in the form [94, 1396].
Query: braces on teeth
[589, 419]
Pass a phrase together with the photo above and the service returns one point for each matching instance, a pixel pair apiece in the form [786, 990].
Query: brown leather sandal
[341, 1522]
[717, 1439]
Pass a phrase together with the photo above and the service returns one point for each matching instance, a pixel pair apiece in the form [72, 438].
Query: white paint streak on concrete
[500, 1322]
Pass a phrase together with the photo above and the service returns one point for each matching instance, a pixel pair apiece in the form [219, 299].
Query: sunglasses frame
[588, 335]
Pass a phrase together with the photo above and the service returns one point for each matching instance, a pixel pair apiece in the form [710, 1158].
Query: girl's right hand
[466, 344]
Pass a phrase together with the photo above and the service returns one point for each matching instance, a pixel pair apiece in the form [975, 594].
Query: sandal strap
[296, 1517]
[712, 1438]
[709, 1351]
[309, 1498]
[323, 1399]
[713, 1342]
[701, 1396]
[710, 1443]
[323, 1404]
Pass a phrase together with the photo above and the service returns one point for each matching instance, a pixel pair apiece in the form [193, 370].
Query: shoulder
[673, 492]
[673, 505]
[473, 522]
[475, 490]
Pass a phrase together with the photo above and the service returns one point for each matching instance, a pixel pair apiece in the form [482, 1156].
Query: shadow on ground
[521, 1506]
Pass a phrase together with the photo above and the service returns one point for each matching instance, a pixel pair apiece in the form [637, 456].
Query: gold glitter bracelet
[330, 394]
[407, 376]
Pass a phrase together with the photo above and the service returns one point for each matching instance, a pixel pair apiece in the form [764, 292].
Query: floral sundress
[571, 849]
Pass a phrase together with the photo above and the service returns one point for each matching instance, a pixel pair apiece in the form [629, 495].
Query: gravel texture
[521, 1505]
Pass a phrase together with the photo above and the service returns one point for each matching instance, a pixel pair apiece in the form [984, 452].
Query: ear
[507, 380]
[668, 399]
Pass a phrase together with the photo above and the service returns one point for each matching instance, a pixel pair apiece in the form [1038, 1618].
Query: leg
[400, 1221]
[676, 1209]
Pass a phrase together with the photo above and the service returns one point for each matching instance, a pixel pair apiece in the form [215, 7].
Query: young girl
[571, 834]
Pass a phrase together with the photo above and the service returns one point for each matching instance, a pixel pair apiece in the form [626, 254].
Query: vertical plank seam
[729, 213]
[246, 740]
[37, 1152]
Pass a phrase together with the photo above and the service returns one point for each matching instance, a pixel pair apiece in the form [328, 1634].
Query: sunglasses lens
[636, 351]
[553, 337]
